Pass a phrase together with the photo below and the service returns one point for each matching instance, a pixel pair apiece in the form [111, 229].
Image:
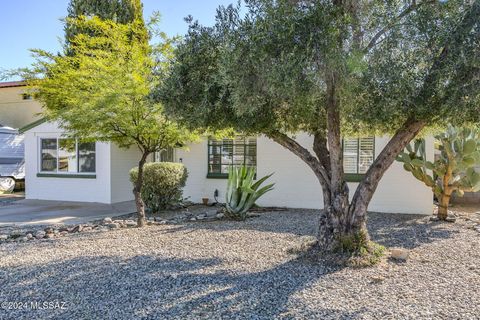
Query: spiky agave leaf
[242, 191]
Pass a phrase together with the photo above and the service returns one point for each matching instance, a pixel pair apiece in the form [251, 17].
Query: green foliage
[243, 191]
[454, 170]
[162, 184]
[267, 69]
[120, 11]
[102, 92]
[359, 250]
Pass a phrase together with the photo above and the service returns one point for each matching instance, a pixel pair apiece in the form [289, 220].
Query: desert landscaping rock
[451, 218]
[130, 223]
[77, 229]
[40, 234]
[399, 254]
[48, 230]
[241, 270]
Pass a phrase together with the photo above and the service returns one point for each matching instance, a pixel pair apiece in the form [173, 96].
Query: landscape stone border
[105, 225]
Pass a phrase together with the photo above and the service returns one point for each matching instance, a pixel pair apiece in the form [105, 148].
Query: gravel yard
[242, 270]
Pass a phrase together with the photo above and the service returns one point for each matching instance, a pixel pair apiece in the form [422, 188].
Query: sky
[27, 24]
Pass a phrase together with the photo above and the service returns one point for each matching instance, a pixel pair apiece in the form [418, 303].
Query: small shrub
[162, 184]
[359, 250]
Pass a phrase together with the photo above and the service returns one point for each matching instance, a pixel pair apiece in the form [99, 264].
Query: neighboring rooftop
[10, 84]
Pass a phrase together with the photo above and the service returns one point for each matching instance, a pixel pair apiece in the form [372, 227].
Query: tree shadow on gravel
[147, 287]
[391, 230]
[301, 223]
[406, 230]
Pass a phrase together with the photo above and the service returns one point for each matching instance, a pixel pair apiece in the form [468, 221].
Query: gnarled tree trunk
[340, 217]
[334, 222]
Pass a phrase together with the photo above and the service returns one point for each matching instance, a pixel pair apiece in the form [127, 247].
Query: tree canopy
[265, 70]
[103, 91]
[120, 11]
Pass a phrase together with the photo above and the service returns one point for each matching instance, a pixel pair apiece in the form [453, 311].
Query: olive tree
[330, 68]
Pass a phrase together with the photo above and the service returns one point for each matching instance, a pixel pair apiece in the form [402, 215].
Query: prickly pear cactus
[453, 171]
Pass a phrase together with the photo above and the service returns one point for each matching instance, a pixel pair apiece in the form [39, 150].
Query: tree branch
[334, 139]
[321, 150]
[293, 146]
[387, 156]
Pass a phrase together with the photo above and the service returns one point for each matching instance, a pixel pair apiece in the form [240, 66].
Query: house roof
[32, 125]
[10, 84]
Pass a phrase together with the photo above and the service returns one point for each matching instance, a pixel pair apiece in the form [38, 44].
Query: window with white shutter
[358, 155]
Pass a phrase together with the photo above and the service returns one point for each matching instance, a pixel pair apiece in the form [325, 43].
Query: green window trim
[354, 177]
[82, 151]
[246, 144]
[66, 175]
[213, 175]
[32, 125]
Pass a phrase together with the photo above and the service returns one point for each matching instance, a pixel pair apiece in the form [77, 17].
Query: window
[86, 156]
[225, 153]
[66, 156]
[166, 155]
[358, 155]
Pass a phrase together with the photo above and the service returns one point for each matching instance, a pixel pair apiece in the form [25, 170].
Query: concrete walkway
[43, 212]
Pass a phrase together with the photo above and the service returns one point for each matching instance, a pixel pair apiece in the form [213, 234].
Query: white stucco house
[60, 169]
[63, 169]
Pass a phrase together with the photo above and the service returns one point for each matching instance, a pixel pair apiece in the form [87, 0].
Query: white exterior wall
[64, 189]
[297, 187]
[121, 162]
[16, 112]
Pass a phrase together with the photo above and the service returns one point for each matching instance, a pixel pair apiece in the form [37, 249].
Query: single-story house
[17, 108]
[62, 169]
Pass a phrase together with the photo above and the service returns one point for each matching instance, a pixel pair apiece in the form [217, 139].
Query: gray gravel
[235, 270]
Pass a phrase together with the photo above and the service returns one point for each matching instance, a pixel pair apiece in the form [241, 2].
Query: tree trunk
[334, 219]
[137, 192]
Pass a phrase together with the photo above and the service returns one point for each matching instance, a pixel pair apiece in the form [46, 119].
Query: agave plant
[453, 172]
[243, 191]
